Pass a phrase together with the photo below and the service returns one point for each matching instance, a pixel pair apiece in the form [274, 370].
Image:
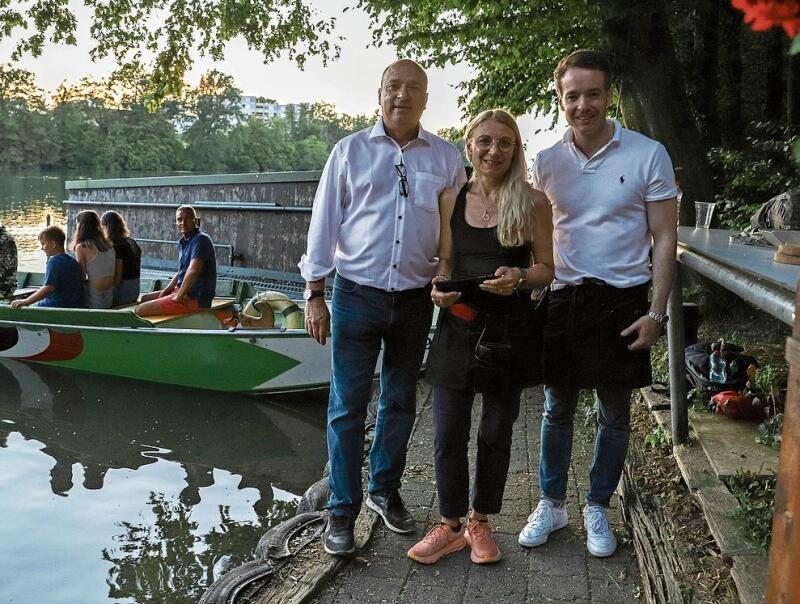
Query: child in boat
[63, 279]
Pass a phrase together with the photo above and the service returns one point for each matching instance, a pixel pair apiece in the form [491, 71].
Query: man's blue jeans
[610, 443]
[362, 318]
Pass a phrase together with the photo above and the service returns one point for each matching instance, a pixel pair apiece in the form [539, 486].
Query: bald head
[405, 63]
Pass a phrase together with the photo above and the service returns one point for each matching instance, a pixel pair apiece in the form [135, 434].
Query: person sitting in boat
[95, 253]
[8, 264]
[63, 278]
[193, 286]
[129, 258]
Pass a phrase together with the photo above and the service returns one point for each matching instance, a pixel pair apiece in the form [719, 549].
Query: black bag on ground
[697, 366]
[779, 213]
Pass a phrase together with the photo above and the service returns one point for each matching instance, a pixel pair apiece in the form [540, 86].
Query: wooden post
[677, 364]
[783, 585]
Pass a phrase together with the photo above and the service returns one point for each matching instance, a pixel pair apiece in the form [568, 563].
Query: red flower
[763, 14]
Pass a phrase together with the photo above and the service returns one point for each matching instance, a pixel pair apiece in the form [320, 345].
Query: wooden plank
[664, 421]
[696, 471]
[750, 575]
[718, 506]
[731, 447]
[654, 400]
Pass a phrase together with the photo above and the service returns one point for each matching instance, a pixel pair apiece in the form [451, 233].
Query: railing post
[783, 585]
[677, 364]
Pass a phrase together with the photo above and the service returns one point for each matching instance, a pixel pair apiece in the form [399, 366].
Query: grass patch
[755, 496]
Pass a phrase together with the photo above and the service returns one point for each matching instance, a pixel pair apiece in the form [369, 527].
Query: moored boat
[203, 350]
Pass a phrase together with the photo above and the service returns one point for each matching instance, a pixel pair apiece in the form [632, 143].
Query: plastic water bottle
[717, 372]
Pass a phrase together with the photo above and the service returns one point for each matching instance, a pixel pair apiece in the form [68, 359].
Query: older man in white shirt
[376, 223]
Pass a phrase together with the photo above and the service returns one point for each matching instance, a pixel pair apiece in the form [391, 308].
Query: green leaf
[797, 151]
[795, 48]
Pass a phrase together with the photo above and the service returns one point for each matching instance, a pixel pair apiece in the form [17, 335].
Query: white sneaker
[545, 519]
[600, 539]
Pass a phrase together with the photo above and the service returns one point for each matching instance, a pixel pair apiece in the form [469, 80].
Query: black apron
[582, 346]
[511, 321]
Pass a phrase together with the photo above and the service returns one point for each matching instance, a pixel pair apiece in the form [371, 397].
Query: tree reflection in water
[166, 561]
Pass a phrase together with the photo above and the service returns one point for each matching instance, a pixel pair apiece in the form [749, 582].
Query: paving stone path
[559, 571]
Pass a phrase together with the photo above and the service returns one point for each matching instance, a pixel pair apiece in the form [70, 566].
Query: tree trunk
[653, 92]
[729, 94]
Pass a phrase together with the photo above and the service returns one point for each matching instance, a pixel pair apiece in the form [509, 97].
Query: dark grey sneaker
[389, 506]
[338, 538]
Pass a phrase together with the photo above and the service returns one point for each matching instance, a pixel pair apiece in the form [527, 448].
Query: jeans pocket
[344, 285]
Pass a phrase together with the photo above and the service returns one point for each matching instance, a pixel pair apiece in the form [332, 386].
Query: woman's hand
[506, 279]
[443, 299]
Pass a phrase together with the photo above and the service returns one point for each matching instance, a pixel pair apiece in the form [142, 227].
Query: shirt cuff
[313, 272]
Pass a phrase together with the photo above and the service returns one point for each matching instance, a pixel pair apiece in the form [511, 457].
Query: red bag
[738, 406]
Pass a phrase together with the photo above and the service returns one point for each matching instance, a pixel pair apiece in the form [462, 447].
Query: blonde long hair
[515, 215]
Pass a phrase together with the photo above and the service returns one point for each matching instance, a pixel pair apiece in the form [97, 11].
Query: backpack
[697, 367]
[779, 213]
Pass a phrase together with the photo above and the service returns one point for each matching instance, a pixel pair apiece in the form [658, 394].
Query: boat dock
[560, 571]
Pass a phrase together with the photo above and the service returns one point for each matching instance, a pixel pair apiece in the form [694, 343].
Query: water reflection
[131, 491]
[26, 199]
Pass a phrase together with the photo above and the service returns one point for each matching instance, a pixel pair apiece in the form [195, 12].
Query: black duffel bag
[697, 366]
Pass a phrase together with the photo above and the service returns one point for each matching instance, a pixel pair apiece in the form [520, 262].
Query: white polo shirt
[363, 226]
[599, 206]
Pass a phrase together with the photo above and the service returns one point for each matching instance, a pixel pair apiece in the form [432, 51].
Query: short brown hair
[54, 234]
[584, 59]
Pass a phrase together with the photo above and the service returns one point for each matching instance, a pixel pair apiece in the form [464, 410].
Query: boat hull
[228, 361]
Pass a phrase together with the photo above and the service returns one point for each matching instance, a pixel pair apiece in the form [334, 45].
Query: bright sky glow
[351, 83]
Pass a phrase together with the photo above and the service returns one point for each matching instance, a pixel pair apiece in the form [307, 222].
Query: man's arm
[192, 273]
[662, 222]
[161, 293]
[323, 234]
[39, 294]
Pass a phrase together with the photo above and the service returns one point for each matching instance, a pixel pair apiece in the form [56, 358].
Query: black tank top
[476, 250]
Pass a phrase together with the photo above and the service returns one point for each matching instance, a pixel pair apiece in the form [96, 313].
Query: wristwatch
[312, 293]
[658, 317]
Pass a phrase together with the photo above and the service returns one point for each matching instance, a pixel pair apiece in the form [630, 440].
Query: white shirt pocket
[426, 191]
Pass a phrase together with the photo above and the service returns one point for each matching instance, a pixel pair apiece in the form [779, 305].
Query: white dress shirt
[361, 224]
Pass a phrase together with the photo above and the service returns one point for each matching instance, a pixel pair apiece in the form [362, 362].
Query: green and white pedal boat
[201, 350]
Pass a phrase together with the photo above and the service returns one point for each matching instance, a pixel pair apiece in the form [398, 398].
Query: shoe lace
[596, 520]
[437, 533]
[481, 531]
[541, 515]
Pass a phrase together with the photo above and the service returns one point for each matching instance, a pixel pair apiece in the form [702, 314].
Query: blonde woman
[495, 248]
[95, 253]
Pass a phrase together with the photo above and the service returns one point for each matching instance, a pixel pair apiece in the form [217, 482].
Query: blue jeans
[362, 319]
[610, 443]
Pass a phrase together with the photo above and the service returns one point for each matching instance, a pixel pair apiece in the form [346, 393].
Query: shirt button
[394, 266]
[397, 241]
[400, 217]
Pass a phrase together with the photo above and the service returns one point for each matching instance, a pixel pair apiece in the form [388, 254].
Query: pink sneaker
[480, 539]
[440, 541]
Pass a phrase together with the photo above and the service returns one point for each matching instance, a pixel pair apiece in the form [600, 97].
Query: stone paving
[559, 571]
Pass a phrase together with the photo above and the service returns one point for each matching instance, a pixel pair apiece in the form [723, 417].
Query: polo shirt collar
[616, 138]
[422, 135]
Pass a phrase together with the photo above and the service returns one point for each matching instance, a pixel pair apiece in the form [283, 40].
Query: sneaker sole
[601, 554]
[456, 546]
[340, 553]
[486, 560]
[528, 543]
[389, 525]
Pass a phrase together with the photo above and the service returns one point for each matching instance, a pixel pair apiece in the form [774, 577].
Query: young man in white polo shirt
[614, 201]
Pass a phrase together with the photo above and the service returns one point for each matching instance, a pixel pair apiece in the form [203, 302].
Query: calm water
[115, 490]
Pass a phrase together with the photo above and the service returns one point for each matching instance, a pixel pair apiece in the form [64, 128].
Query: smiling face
[584, 99]
[488, 148]
[402, 96]
[185, 221]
